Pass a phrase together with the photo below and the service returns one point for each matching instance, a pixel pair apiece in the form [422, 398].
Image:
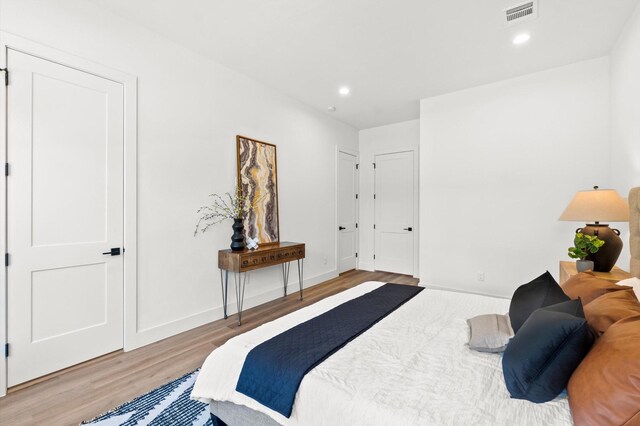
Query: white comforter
[412, 368]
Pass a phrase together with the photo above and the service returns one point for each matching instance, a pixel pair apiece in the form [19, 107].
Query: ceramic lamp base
[605, 259]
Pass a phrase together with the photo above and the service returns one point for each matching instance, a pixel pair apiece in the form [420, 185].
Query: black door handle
[113, 252]
[340, 228]
[408, 229]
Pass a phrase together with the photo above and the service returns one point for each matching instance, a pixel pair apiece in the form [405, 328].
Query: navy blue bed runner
[273, 370]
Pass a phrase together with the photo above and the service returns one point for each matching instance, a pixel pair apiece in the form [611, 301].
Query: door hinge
[374, 257]
[374, 165]
[6, 259]
[357, 166]
[374, 196]
[374, 226]
[356, 255]
[356, 226]
[356, 196]
[6, 169]
[6, 76]
[6, 350]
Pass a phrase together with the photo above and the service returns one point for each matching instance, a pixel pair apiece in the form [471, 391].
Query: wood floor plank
[85, 391]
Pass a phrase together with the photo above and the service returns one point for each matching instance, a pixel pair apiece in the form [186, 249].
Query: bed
[413, 367]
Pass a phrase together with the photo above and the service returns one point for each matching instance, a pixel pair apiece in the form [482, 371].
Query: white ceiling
[390, 53]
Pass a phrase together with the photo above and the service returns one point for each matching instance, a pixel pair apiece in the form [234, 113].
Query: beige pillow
[489, 333]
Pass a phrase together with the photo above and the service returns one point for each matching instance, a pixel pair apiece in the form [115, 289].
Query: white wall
[625, 117]
[189, 111]
[404, 136]
[625, 107]
[498, 165]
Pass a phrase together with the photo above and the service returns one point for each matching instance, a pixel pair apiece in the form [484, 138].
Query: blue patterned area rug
[167, 405]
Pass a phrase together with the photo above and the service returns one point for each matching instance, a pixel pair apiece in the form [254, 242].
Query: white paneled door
[394, 225]
[347, 211]
[64, 210]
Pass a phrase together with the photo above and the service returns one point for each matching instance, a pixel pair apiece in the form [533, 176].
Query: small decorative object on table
[230, 207]
[252, 243]
[584, 245]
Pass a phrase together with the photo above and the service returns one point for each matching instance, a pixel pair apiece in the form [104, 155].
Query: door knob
[340, 228]
[408, 229]
[115, 251]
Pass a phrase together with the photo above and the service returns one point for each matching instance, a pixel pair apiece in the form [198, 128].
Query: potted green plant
[584, 245]
[225, 207]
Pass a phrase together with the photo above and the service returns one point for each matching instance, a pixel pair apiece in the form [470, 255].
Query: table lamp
[599, 205]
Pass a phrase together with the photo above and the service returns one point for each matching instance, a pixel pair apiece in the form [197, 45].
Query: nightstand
[568, 268]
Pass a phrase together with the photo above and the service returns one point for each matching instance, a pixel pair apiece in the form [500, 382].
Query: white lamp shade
[598, 205]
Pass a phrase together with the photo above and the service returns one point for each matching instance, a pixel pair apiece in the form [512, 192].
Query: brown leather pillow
[605, 388]
[611, 307]
[588, 287]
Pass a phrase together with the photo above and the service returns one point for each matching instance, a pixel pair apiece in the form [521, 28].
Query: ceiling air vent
[521, 12]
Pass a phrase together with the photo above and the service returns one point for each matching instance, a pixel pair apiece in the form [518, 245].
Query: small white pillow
[632, 282]
[489, 333]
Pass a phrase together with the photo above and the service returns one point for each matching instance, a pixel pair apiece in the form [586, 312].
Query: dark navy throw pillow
[543, 354]
[573, 307]
[542, 291]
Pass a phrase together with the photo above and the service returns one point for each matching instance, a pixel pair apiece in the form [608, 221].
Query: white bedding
[412, 368]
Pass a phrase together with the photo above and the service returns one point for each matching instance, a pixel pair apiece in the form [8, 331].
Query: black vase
[237, 239]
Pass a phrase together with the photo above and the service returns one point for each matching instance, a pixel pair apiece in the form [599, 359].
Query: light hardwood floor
[83, 392]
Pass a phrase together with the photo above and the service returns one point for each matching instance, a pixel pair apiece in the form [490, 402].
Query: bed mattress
[411, 368]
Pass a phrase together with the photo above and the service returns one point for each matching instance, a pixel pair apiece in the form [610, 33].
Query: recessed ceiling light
[331, 109]
[521, 38]
[344, 90]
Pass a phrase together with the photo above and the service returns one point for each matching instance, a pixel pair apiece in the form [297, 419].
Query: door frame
[130, 89]
[335, 226]
[416, 203]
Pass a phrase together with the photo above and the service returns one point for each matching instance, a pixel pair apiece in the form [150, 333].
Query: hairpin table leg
[240, 280]
[301, 274]
[224, 283]
[285, 276]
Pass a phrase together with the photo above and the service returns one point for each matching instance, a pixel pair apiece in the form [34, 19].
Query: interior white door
[347, 211]
[394, 225]
[65, 209]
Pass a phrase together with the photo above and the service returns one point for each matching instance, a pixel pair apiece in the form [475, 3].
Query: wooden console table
[241, 262]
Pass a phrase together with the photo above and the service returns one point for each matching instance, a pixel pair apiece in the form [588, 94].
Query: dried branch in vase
[222, 207]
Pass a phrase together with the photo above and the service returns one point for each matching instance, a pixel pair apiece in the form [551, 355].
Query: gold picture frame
[258, 181]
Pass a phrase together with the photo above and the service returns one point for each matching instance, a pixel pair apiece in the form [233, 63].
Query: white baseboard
[459, 290]
[168, 329]
[366, 266]
[162, 331]
[275, 293]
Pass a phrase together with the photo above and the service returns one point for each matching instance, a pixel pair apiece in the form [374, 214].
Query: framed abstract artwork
[258, 181]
